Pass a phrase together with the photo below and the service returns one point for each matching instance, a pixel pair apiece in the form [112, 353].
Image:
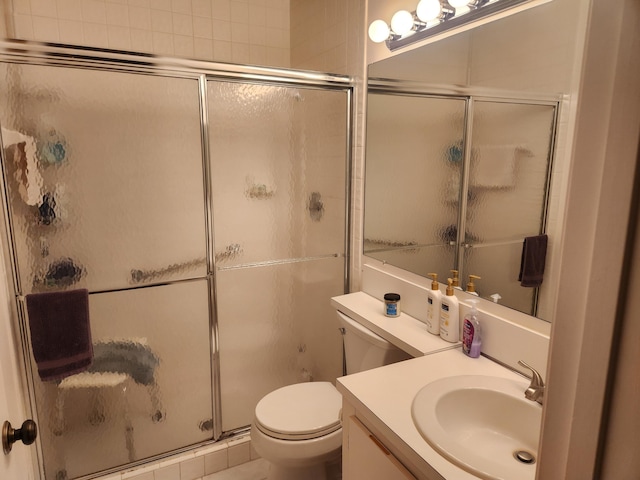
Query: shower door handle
[27, 433]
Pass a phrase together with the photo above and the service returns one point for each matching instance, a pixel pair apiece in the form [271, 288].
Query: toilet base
[325, 471]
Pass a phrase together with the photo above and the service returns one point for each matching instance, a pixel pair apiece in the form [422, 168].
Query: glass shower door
[278, 173]
[105, 193]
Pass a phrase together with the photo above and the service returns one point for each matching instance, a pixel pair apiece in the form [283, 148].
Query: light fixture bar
[421, 32]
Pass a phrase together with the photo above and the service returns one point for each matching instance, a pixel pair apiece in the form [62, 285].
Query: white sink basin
[480, 424]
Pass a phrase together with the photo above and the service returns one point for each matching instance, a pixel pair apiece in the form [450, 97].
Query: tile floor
[254, 470]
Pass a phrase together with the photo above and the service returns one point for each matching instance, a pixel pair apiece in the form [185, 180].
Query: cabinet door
[369, 458]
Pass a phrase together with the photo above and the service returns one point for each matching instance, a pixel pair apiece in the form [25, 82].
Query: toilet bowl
[298, 429]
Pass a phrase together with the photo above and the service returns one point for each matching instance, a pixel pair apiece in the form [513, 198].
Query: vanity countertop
[405, 332]
[384, 397]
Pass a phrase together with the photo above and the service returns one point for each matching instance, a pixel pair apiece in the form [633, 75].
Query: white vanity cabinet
[368, 457]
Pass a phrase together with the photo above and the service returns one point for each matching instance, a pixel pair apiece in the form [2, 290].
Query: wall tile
[239, 453]
[95, 34]
[161, 21]
[182, 24]
[192, 469]
[119, 38]
[94, 11]
[24, 26]
[69, 9]
[183, 46]
[222, 30]
[140, 17]
[201, 8]
[161, 5]
[117, 14]
[22, 7]
[181, 6]
[202, 27]
[71, 32]
[162, 43]
[141, 40]
[44, 8]
[172, 472]
[45, 29]
[215, 462]
[222, 10]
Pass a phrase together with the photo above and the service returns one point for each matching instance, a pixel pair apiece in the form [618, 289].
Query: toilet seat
[300, 412]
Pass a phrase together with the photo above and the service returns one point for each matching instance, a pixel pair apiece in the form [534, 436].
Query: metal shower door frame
[47, 54]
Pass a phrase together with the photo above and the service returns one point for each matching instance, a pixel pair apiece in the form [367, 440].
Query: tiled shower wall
[240, 31]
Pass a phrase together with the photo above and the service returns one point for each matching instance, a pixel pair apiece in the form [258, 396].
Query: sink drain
[524, 457]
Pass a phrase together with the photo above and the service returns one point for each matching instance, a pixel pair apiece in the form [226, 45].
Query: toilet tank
[364, 349]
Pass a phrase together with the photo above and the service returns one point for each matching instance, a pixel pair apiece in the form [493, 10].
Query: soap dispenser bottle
[471, 288]
[471, 334]
[455, 280]
[434, 300]
[449, 315]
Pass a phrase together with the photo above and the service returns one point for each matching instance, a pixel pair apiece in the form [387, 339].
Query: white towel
[27, 174]
[494, 166]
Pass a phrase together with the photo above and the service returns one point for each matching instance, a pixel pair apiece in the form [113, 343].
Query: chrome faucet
[535, 392]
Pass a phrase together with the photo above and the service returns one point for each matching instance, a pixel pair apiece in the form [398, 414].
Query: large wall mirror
[462, 156]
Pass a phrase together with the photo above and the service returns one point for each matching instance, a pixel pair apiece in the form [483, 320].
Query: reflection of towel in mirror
[534, 254]
[494, 166]
[27, 173]
[60, 332]
[125, 356]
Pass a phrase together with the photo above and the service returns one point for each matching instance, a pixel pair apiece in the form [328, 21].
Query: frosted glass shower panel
[278, 163]
[81, 165]
[510, 164]
[276, 327]
[149, 390]
[414, 144]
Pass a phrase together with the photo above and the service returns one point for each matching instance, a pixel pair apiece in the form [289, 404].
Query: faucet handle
[535, 391]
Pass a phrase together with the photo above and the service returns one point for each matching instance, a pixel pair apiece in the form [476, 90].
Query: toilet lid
[300, 411]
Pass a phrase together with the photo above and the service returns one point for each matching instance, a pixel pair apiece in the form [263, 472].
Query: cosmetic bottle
[471, 334]
[434, 300]
[455, 280]
[471, 287]
[449, 315]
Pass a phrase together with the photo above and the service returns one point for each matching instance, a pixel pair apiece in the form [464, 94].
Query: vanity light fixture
[432, 17]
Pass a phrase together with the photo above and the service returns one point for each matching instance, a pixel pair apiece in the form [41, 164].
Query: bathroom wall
[235, 31]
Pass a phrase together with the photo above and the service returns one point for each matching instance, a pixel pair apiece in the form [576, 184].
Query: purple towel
[534, 254]
[60, 332]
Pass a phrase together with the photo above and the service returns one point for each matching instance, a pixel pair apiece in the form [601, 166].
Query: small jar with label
[392, 304]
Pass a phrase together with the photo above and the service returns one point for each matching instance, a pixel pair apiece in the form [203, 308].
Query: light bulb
[379, 31]
[428, 10]
[402, 22]
[459, 3]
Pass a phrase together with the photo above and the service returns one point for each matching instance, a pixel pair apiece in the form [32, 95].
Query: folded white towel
[27, 174]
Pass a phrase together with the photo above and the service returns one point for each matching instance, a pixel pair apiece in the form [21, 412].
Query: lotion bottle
[449, 315]
[434, 301]
[471, 335]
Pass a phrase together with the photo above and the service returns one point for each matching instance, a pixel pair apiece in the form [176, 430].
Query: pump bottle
[449, 315]
[471, 335]
[455, 280]
[471, 287]
[434, 300]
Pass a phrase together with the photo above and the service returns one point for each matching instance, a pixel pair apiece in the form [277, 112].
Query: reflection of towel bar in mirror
[140, 275]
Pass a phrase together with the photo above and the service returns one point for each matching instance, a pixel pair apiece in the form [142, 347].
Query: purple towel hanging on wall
[534, 255]
[60, 332]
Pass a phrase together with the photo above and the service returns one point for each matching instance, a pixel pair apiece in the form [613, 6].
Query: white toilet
[297, 428]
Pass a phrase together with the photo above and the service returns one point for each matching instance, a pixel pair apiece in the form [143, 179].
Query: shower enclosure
[204, 208]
